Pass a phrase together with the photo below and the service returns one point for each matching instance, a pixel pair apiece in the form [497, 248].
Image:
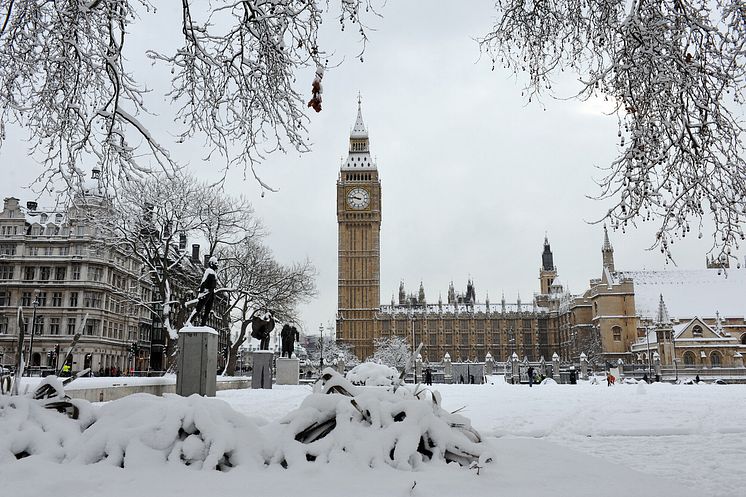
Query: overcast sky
[472, 175]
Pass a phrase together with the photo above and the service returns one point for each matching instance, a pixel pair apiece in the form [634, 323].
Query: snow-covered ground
[560, 440]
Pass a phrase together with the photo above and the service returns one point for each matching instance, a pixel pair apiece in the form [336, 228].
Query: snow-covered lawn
[559, 440]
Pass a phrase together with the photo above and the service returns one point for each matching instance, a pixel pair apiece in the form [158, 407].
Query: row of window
[463, 338]
[59, 273]
[44, 325]
[63, 250]
[92, 300]
[463, 324]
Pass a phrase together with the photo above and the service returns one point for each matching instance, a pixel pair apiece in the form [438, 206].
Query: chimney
[195, 252]
[182, 242]
[10, 204]
[31, 205]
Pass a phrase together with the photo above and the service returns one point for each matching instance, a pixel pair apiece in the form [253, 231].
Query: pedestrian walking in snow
[610, 379]
[530, 376]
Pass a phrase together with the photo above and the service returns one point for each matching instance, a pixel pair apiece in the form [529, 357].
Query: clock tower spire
[358, 243]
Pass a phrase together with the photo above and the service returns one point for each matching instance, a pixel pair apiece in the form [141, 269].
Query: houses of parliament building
[605, 322]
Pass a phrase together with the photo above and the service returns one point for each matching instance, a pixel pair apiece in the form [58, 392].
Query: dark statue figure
[262, 324]
[289, 335]
[206, 291]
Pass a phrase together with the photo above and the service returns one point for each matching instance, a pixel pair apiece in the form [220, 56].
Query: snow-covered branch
[673, 71]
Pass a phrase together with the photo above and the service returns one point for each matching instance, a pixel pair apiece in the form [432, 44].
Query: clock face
[358, 198]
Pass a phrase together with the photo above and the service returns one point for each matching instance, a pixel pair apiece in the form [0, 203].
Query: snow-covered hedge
[373, 374]
[374, 426]
[138, 430]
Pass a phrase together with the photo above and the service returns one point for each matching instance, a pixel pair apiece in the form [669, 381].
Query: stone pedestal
[583, 366]
[341, 365]
[515, 371]
[418, 369]
[447, 368]
[197, 362]
[261, 376]
[489, 365]
[288, 371]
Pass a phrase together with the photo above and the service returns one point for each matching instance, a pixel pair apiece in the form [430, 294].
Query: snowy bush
[138, 430]
[396, 426]
[372, 374]
[338, 421]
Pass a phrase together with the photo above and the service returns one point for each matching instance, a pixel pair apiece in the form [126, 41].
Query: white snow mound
[373, 375]
[374, 426]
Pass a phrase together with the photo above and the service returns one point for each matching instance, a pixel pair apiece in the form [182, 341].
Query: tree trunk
[230, 369]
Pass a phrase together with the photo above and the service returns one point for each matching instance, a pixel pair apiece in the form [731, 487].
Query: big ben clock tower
[358, 246]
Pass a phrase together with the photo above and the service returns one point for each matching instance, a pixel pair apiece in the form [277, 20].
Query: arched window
[743, 339]
[689, 358]
[716, 359]
[617, 332]
[595, 307]
[697, 331]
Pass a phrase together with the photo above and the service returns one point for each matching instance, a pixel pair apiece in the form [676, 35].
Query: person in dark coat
[206, 291]
[530, 376]
[428, 376]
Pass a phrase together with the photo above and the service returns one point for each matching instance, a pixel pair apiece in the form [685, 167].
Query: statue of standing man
[206, 292]
[289, 335]
[262, 324]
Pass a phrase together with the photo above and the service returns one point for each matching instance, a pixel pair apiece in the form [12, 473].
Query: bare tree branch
[674, 72]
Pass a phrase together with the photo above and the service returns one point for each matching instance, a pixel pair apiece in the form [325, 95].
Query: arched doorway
[36, 360]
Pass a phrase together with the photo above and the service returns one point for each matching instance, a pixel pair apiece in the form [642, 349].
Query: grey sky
[472, 175]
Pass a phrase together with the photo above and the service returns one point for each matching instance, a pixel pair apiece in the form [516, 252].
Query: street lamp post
[414, 347]
[35, 303]
[647, 337]
[675, 360]
[321, 338]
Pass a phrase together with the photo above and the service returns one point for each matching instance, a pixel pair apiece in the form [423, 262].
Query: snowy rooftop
[689, 293]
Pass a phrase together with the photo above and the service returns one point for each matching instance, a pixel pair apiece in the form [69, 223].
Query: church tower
[358, 243]
[548, 272]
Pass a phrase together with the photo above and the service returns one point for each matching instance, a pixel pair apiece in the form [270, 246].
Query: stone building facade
[463, 327]
[50, 261]
[359, 233]
[606, 322]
